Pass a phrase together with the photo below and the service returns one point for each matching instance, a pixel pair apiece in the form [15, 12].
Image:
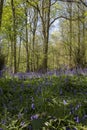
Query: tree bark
[27, 46]
[14, 34]
[1, 10]
[35, 20]
[19, 53]
[70, 49]
[45, 26]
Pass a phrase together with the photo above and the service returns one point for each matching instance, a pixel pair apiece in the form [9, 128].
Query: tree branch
[64, 17]
[69, 1]
[83, 3]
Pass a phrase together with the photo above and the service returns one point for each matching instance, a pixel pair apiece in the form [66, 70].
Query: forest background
[43, 34]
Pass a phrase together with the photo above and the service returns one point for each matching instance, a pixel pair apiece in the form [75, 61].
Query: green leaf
[37, 124]
[85, 14]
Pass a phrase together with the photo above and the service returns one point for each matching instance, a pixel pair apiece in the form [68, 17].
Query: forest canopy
[43, 34]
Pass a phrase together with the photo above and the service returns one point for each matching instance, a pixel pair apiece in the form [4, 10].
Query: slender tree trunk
[83, 42]
[14, 34]
[33, 56]
[57, 60]
[35, 20]
[53, 58]
[70, 50]
[45, 25]
[12, 50]
[37, 63]
[8, 51]
[1, 10]
[27, 47]
[19, 53]
[79, 42]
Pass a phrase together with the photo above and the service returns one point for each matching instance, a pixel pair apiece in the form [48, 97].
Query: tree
[14, 34]
[26, 34]
[1, 10]
[27, 46]
[43, 7]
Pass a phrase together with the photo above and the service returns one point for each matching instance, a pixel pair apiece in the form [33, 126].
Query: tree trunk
[19, 53]
[14, 34]
[1, 10]
[35, 20]
[79, 46]
[70, 50]
[83, 42]
[11, 51]
[27, 47]
[45, 26]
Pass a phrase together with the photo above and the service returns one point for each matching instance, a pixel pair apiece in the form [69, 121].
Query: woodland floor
[43, 103]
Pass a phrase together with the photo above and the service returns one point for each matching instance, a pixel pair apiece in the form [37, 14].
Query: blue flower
[76, 118]
[20, 116]
[1, 129]
[33, 106]
[67, 128]
[34, 117]
[77, 107]
[3, 122]
[64, 102]
[22, 123]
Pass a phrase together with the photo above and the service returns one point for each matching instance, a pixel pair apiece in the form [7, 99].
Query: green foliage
[40, 103]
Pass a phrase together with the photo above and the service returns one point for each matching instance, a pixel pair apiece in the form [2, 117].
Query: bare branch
[69, 1]
[83, 3]
[64, 17]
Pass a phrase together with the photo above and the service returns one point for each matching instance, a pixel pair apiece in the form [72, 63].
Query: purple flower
[67, 128]
[33, 106]
[64, 102]
[76, 118]
[3, 122]
[77, 107]
[20, 116]
[34, 117]
[1, 129]
[22, 123]
[71, 109]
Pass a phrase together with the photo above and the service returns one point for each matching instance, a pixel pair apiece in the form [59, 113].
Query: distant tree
[14, 33]
[1, 10]
[2, 61]
[44, 10]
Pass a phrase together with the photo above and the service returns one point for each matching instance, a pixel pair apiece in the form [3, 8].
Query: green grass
[49, 103]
